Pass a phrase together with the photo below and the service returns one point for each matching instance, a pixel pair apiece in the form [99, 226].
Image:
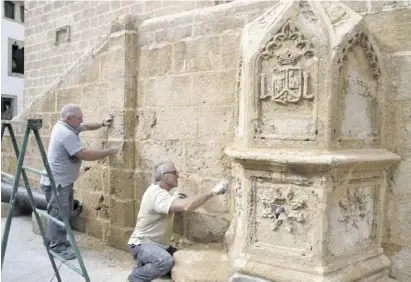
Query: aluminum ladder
[34, 125]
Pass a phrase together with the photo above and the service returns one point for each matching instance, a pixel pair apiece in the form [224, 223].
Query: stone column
[308, 161]
[121, 71]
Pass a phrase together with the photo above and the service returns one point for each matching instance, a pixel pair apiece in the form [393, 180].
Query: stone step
[201, 263]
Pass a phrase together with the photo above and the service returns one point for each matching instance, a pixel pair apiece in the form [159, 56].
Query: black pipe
[23, 200]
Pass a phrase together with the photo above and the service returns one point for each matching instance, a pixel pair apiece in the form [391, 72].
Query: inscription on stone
[356, 86]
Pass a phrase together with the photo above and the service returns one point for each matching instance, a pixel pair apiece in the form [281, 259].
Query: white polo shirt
[155, 220]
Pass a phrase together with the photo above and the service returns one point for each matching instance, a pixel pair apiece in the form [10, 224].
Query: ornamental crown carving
[288, 32]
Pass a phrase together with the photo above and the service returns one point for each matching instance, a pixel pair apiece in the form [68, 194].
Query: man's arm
[190, 203]
[94, 126]
[91, 126]
[94, 155]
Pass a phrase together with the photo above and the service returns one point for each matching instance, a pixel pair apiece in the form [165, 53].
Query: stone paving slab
[26, 259]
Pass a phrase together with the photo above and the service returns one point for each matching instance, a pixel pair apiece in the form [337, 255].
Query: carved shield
[287, 85]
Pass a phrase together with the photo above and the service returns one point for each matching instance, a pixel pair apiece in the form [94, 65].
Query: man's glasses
[172, 172]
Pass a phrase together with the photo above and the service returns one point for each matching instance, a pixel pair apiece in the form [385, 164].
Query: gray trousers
[156, 261]
[56, 234]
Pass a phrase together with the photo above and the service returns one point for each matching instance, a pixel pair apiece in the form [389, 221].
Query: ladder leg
[65, 219]
[33, 205]
[13, 193]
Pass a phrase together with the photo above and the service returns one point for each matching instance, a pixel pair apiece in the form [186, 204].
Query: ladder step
[45, 214]
[7, 175]
[66, 262]
[24, 122]
[33, 170]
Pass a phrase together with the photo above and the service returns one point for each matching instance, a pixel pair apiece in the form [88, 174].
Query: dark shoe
[137, 263]
[77, 208]
[167, 276]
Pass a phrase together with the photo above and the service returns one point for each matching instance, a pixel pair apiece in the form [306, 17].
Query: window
[22, 14]
[9, 9]
[15, 62]
[7, 106]
[17, 59]
[62, 35]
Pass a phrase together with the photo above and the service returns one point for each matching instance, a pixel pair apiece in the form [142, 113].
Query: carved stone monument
[308, 160]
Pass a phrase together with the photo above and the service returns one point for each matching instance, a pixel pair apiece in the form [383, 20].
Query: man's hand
[108, 120]
[113, 151]
[221, 188]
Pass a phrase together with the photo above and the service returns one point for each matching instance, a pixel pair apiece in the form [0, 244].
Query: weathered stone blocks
[155, 61]
[90, 179]
[206, 228]
[206, 160]
[68, 95]
[124, 159]
[395, 35]
[202, 258]
[215, 124]
[168, 91]
[118, 237]
[121, 183]
[213, 88]
[122, 212]
[148, 153]
[176, 124]
[202, 54]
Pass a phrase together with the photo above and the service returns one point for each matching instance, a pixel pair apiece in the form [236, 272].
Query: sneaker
[67, 255]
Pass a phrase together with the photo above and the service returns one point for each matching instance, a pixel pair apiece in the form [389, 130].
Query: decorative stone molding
[285, 210]
[289, 82]
[352, 207]
[361, 39]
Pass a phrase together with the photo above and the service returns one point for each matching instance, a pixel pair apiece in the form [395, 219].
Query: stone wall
[394, 40]
[185, 108]
[180, 106]
[176, 100]
[106, 187]
[88, 21]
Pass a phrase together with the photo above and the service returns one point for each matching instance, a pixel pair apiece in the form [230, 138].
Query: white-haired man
[65, 154]
[150, 242]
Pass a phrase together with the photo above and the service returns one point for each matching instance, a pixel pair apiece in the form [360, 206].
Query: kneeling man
[150, 242]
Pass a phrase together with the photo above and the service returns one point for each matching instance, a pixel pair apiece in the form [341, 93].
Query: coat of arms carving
[288, 82]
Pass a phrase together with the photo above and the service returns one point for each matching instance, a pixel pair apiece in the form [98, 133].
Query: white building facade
[12, 58]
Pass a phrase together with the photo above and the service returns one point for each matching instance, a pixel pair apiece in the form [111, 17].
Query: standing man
[150, 242]
[65, 154]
